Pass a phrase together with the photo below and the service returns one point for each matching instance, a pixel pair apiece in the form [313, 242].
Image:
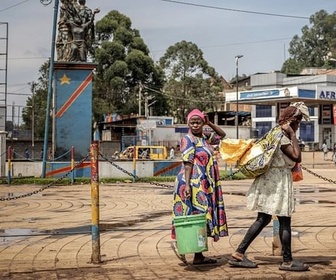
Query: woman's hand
[187, 191]
[287, 129]
[206, 118]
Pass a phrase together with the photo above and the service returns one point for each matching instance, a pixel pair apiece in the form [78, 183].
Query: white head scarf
[302, 108]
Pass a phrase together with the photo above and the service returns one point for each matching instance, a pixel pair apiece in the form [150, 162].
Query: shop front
[267, 105]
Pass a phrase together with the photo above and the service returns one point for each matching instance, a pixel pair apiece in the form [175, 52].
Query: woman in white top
[272, 192]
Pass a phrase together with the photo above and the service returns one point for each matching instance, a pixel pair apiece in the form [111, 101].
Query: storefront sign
[325, 94]
[326, 114]
[259, 94]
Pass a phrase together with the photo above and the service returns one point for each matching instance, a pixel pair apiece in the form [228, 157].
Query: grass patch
[224, 175]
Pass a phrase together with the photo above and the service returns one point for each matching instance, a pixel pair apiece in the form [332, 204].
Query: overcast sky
[260, 30]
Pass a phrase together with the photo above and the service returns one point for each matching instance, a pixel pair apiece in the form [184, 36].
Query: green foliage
[190, 81]
[37, 103]
[316, 47]
[123, 64]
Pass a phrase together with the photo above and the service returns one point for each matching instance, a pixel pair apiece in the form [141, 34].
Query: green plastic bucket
[191, 234]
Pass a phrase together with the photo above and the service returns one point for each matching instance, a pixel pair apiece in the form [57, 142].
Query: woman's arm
[292, 151]
[214, 127]
[188, 166]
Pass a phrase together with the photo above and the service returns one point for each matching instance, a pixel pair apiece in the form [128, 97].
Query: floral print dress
[272, 192]
[206, 190]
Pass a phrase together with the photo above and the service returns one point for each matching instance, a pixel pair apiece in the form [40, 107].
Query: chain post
[9, 165]
[94, 154]
[134, 162]
[72, 165]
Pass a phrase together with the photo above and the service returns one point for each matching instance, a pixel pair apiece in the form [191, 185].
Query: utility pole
[146, 106]
[51, 72]
[237, 112]
[140, 93]
[32, 84]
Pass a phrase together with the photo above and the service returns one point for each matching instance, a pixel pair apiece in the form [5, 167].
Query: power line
[180, 98]
[13, 93]
[155, 51]
[234, 10]
[17, 4]
[235, 44]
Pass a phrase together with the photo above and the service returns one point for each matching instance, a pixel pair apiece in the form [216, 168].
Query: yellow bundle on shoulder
[253, 158]
[232, 150]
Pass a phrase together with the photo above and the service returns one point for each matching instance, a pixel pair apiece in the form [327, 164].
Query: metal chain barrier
[303, 168]
[153, 183]
[67, 152]
[48, 186]
[119, 167]
[137, 178]
[318, 176]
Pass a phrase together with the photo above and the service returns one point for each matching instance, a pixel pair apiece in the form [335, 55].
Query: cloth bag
[232, 150]
[257, 160]
[297, 172]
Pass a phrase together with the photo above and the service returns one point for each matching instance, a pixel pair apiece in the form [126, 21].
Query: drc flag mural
[73, 109]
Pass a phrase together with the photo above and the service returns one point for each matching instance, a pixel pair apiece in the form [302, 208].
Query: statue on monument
[75, 31]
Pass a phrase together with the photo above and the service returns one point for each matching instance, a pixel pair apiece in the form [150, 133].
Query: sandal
[204, 261]
[242, 262]
[294, 265]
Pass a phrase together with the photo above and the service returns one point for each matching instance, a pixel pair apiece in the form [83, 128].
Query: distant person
[144, 154]
[325, 150]
[41, 154]
[333, 158]
[115, 156]
[178, 151]
[50, 154]
[27, 153]
[172, 153]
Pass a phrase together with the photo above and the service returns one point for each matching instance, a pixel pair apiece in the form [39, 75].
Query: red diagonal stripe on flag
[74, 96]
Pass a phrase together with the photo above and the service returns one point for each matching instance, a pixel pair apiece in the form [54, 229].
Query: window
[311, 111]
[307, 131]
[263, 111]
[263, 127]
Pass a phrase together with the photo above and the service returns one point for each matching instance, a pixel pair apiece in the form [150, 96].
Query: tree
[38, 101]
[123, 66]
[316, 47]
[190, 81]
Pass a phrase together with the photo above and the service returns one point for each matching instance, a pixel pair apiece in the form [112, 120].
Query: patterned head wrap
[293, 111]
[303, 109]
[195, 113]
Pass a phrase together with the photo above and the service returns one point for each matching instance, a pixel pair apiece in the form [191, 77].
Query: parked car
[145, 153]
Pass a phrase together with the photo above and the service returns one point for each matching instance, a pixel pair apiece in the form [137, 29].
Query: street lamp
[237, 58]
[32, 87]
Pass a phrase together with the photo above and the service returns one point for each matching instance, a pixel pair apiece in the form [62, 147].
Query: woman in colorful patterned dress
[197, 186]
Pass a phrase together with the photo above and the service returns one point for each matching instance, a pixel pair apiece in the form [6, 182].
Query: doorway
[326, 135]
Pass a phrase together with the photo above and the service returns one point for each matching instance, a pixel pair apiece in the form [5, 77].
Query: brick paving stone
[50, 232]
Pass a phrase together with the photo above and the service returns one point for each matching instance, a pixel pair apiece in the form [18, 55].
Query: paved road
[47, 235]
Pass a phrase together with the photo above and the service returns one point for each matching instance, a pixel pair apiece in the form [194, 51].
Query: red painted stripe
[67, 169]
[58, 171]
[168, 168]
[74, 96]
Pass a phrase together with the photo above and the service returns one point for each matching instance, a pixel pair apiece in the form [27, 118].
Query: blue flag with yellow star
[73, 109]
